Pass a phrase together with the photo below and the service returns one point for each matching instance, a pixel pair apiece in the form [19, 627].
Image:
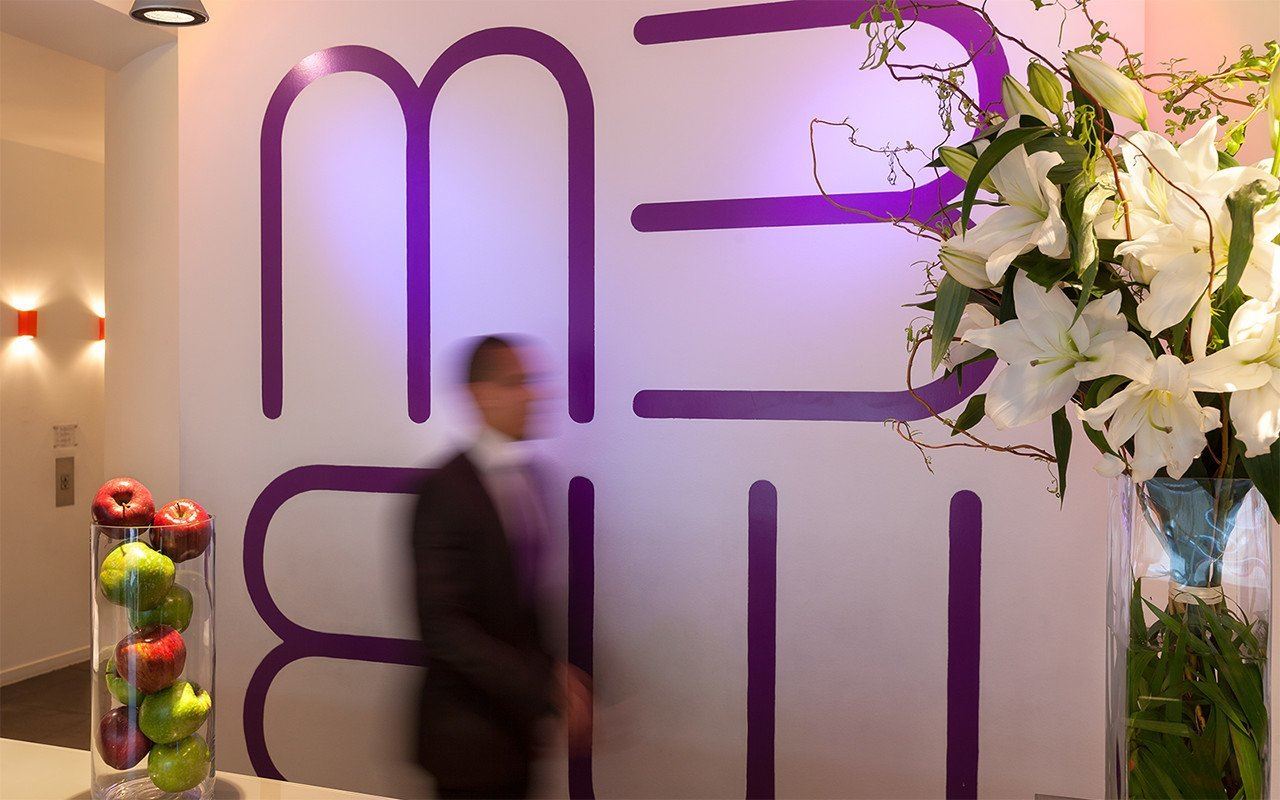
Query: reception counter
[30, 771]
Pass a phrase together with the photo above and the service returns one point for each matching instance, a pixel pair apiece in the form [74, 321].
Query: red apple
[120, 742]
[151, 658]
[182, 529]
[123, 503]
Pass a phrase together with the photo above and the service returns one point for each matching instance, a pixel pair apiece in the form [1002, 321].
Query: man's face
[506, 400]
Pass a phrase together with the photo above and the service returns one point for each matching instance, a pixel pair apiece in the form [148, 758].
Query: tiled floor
[51, 709]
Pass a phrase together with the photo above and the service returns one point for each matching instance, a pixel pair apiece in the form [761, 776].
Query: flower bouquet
[1136, 277]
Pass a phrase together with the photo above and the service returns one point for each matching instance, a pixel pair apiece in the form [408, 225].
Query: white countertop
[30, 771]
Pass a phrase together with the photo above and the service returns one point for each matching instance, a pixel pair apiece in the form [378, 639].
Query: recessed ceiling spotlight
[169, 12]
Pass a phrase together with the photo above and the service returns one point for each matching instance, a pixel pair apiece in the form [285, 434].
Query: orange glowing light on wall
[102, 329]
[27, 323]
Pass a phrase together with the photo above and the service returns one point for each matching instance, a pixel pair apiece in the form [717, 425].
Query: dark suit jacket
[489, 678]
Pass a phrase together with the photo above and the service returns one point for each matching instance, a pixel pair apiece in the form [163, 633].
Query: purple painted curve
[417, 103]
[297, 641]
[581, 631]
[964, 25]
[964, 645]
[941, 394]
[762, 638]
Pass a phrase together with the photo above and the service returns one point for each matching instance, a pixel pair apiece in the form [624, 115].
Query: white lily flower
[1018, 100]
[1032, 219]
[1159, 411]
[1151, 163]
[1250, 369]
[1049, 354]
[1116, 92]
[1110, 466]
[975, 317]
[1182, 254]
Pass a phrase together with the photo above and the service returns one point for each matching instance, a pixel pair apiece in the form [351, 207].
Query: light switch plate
[64, 481]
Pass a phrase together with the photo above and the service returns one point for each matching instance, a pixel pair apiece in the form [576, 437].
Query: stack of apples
[160, 713]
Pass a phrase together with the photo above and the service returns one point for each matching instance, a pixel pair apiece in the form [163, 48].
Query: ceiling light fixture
[169, 12]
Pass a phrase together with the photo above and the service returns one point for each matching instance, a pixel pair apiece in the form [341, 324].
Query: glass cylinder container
[153, 676]
[1188, 628]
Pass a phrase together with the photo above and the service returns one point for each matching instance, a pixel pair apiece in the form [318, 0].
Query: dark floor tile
[53, 708]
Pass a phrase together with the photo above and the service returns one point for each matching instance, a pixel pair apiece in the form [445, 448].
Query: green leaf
[953, 296]
[1062, 448]
[1160, 726]
[1265, 472]
[1007, 308]
[1247, 760]
[1047, 272]
[972, 414]
[1083, 201]
[1243, 203]
[1001, 147]
[1214, 694]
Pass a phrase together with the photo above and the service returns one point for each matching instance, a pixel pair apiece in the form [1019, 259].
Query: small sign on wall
[65, 436]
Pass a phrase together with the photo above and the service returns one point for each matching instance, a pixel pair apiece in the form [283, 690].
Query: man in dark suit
[479, 537]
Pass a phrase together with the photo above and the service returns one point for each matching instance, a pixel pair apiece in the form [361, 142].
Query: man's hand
[575, 706]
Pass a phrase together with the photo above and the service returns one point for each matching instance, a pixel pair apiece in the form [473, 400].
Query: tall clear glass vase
[1188, 634]
[153, 678]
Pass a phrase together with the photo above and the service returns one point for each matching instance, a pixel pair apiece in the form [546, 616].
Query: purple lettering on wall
[417, 101]
[964, 635]
[817, 406]
[964, 25]
[762, 637]
[582, 589]
[299, 642]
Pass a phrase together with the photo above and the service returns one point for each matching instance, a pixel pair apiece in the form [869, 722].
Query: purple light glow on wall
[417, 102]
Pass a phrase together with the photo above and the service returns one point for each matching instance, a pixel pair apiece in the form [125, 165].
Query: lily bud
[1275, 94]
[958, 161]
[1045, 86]
[1017, 100]
[961, 163]
[1116, 92]
[967, 267]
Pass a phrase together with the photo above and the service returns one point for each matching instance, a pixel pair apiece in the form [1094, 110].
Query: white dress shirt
[504, 469]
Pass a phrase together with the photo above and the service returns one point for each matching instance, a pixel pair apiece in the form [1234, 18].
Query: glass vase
[153, 676]
[1188, 627]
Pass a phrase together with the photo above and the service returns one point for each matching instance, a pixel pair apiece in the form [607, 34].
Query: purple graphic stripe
[417, 103]
[964, 636]
[762, 637]
[964, 25]
[299, 642]
[941, 394]
[582, 587]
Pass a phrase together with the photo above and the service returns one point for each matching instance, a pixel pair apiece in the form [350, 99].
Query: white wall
[863, 533]
[142, 374]
[1204, 33]
[51, 258]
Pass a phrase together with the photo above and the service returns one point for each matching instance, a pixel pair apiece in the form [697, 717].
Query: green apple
[136, 576]
[174, 713]
[119, 687]
[179, 766]
[174, 610]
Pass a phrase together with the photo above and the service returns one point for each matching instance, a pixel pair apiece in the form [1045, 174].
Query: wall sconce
[102, 329]
[27, 323]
